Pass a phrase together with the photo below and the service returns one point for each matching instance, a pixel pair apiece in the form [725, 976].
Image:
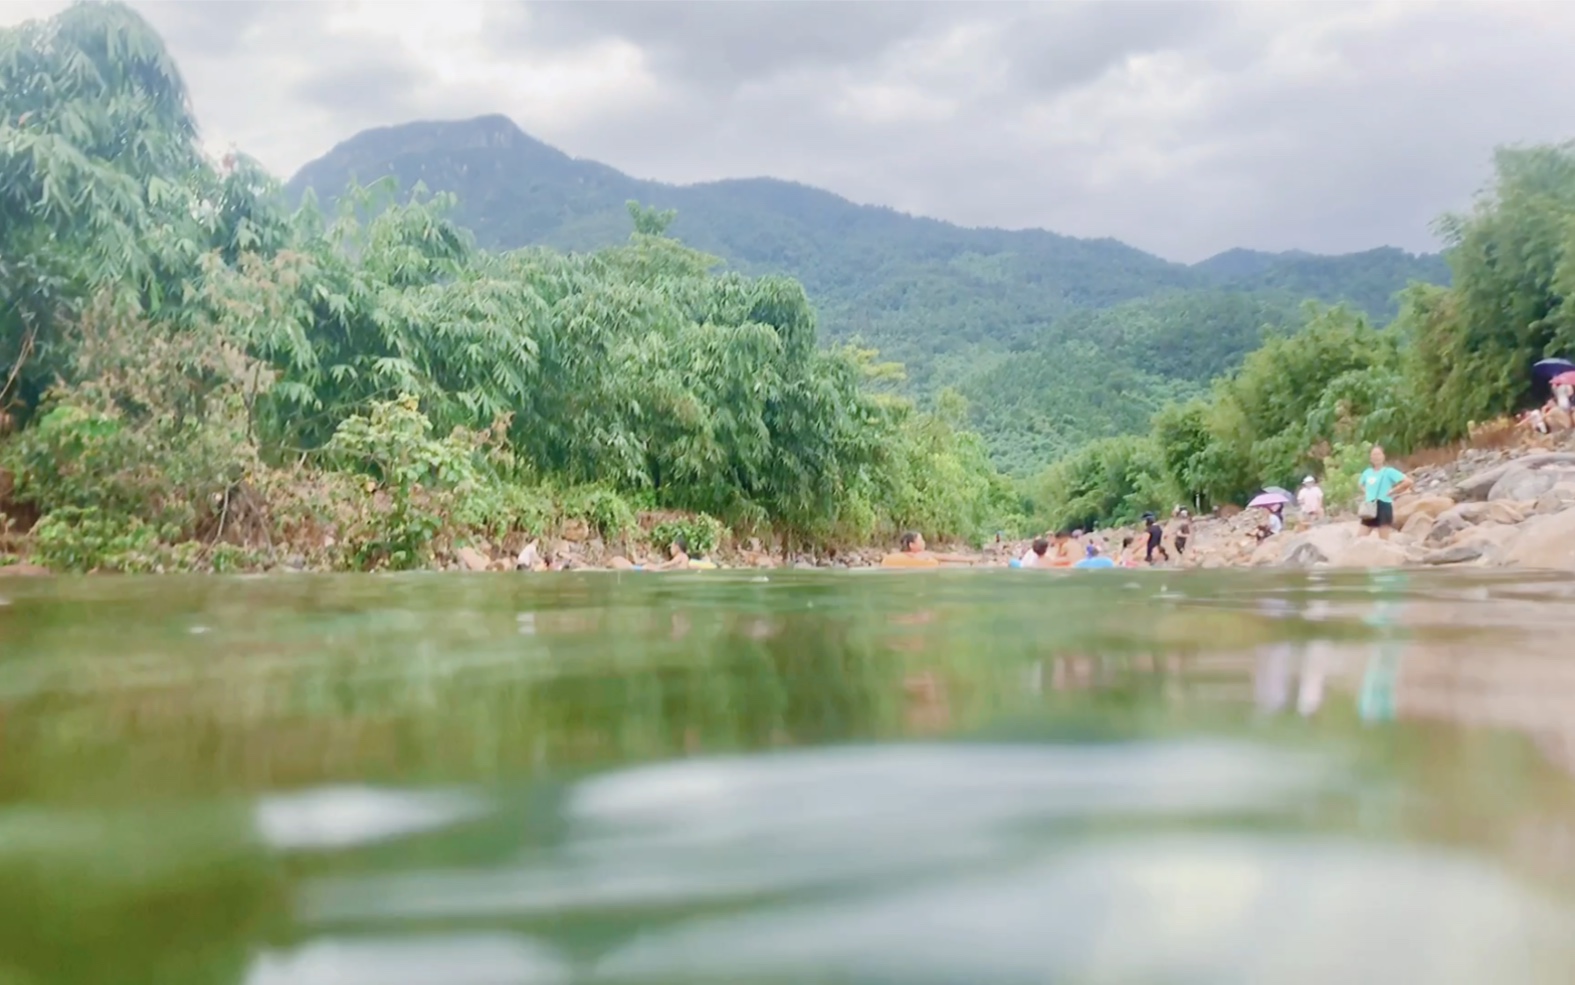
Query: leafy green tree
[1110, 481]
[1507, 307]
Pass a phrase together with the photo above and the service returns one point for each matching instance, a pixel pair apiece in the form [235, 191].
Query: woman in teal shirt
[1380, 485]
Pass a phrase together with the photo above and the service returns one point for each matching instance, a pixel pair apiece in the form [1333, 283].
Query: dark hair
[1041, 545]
[909, 538]
[681, 542]
[1061, 535]
[1126, 541]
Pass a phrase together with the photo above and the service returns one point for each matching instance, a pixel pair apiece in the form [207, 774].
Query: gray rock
[1507, 511]
[1519, 482]
[1456, 554]
[1470, 513]
[1446, 527]
[1305, 555]
[1418, 527]
[1478, 486]
[1555, 500]
[1370, 552]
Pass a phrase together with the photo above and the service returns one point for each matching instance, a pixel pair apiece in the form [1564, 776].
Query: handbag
[1368, 510]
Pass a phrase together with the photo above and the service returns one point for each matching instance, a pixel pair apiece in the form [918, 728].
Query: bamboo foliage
[640, 368]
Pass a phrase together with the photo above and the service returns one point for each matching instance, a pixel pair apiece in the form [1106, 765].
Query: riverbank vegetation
[196, 374]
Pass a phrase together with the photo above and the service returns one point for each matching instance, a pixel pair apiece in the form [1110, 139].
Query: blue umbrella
[1547, 369]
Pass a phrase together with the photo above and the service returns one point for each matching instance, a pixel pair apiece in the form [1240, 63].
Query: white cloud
[1183, 128]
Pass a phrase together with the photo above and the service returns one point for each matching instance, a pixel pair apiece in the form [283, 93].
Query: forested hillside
[1104, 372]
[950, 303]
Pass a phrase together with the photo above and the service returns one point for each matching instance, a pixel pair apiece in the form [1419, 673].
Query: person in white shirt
[1035, 557]
[1309, 498]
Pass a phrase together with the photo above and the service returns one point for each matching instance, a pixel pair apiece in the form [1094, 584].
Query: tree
[98, 156]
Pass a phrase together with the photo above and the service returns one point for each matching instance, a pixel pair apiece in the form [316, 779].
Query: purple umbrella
[1269, 499]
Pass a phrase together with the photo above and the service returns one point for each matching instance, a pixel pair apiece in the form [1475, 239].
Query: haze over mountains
[1108, 329]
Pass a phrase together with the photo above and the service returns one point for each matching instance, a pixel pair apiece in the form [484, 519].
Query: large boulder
[1456, 554]
[1560, 497]
[1542, 542]
[1370, 552]
[1407, 507]
[1507, 511]
[1487, 538]
[1317, 545]
[1418, 527]
[1522, 483]
[1471, 512]
[1479, 486]
[1448, 524]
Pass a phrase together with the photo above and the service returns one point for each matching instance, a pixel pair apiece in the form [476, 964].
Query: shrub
[701, 532]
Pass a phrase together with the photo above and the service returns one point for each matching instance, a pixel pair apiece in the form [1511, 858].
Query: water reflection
[967, 777]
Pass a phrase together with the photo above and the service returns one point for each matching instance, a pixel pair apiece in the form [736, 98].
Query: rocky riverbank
[1505, 508]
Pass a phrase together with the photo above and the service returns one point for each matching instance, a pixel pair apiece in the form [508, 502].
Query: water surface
[732, 777]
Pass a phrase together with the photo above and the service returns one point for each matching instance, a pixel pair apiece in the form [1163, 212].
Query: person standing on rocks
[1309, 499]
[1380, 484]
[1156, 538]
[1183, 524]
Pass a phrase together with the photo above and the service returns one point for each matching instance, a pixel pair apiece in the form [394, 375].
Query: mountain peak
[493, 130]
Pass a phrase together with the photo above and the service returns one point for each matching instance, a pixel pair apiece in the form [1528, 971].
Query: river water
[732, 777]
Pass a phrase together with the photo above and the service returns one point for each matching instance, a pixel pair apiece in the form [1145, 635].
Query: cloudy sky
[1184, 128]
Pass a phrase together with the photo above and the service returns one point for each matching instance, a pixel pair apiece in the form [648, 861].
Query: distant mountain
[1367, 280]
[950, 302]
[1239, 263]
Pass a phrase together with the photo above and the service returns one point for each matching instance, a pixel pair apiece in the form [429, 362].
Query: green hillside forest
[194, 374]
[954, 306]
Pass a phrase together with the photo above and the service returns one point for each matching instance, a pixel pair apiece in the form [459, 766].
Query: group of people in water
[1066, 548]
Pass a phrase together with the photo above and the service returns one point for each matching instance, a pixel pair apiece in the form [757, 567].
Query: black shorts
[1181, 544]
[1385, 517]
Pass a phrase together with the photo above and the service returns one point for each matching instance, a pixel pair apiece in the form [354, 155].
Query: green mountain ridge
[958, 306]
